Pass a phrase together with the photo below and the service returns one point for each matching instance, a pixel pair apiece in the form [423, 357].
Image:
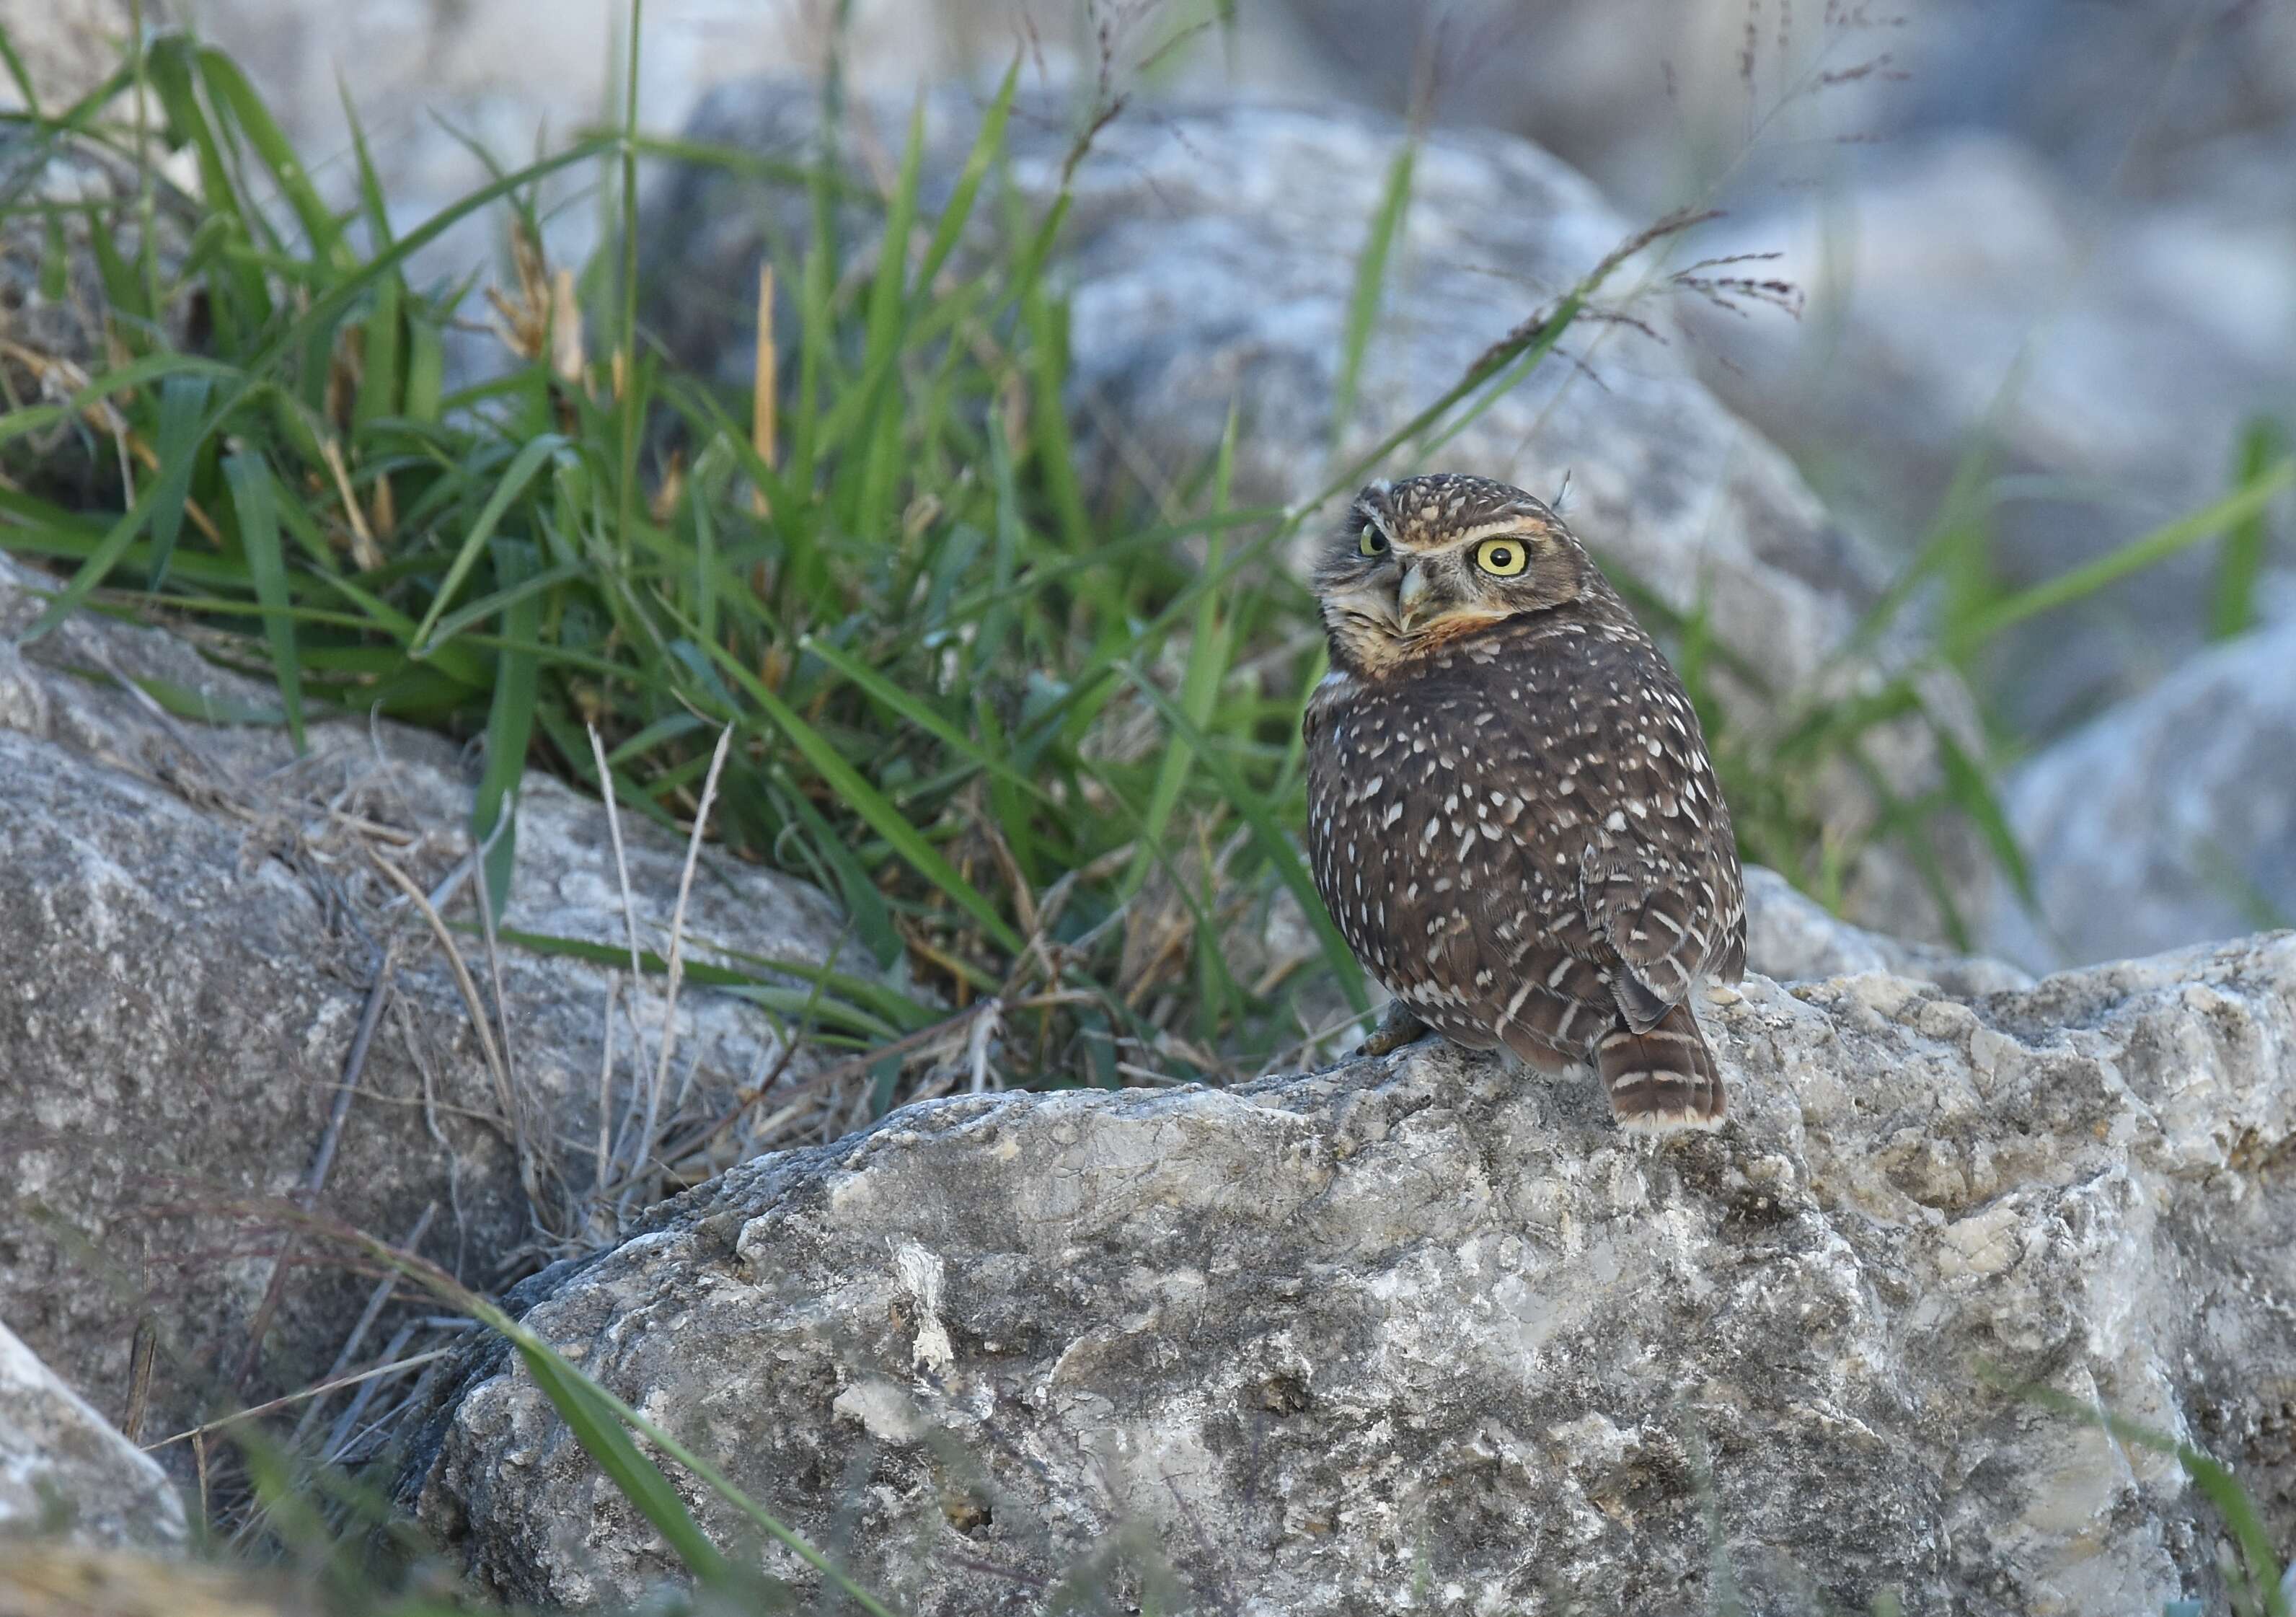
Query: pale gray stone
[67, 47]
[1429, 1334]
[1791, 937]
[192, 920]
[65, 1472]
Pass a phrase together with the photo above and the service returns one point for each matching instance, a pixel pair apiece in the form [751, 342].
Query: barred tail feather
[1662, 1079]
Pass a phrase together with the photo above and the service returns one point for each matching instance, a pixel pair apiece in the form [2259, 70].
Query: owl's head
[1417, 564]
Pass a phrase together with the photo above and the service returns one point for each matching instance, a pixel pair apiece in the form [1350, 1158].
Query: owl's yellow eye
[1503, 558]
[1371, 541]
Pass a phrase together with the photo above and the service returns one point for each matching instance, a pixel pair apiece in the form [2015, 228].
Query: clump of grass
[1049, 762]
[1041, 743]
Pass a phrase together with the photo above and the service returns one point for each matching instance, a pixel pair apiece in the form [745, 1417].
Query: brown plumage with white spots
[1512, 814]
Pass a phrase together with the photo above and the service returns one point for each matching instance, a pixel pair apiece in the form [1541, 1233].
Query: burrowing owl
[1512, 814]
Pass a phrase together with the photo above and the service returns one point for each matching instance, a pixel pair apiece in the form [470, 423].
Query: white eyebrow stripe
[1370, 519]
[1517, 526]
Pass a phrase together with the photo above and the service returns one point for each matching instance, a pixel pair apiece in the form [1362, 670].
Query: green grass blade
[985, 145]
[529, 461]
[1274, 846]
[229, 88]
[864, 800]
[1208, 652]
[426, 372]
[596, 1425]
[1047, 322]
[369, 183]
[31, 419]
[919, 713]
[255, 501]
[18, 77]
[183, 399]
[2240, 561]
[887, 327]
[864, 905]
[1967, 786]
[1370, 281]
[510, 722]
[459, 663]
[78, 117]
[378, 370]
[499, 601]
[2135, 556]
[594, 1401]
[2210, 1475]
[863, 1005]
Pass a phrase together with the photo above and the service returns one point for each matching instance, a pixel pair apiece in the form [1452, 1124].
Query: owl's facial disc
[1357, 580]
[1461, 586]
[1418, 564]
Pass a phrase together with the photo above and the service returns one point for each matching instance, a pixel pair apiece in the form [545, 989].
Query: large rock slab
[193, 920]
[1210, 256]
[2166, 821]
[66, 1473]
[1427, 1333]
[1792, 938]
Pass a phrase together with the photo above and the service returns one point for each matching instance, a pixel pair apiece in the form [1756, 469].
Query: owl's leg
[1399, 1026]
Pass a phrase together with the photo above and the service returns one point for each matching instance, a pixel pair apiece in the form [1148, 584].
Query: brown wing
[1628, 854]
[1412, 823]
[1472, 833]
[1660, 875]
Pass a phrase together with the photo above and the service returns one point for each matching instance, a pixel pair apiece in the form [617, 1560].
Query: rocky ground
[1421, 1332]
[1427, 1324]
[206, 943]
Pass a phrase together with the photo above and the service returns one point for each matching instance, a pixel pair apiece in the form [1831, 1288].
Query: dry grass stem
[292, 1399]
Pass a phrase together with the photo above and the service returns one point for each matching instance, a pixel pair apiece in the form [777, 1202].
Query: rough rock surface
[1792, 938]
[1427, 1334]
[66, 1472]
[2167, 820]
[1211, 255]
[193, 920]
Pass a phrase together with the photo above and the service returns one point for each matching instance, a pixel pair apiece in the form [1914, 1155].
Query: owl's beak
[1411, 603]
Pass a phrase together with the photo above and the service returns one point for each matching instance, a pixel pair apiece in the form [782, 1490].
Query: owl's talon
[1397, 1028]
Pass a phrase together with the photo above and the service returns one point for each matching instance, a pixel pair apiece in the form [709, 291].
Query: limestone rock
[1790, 937]
[2167, 820]
[65, 1472]
[1426, 1333]
[193, 920]
[68, 46]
